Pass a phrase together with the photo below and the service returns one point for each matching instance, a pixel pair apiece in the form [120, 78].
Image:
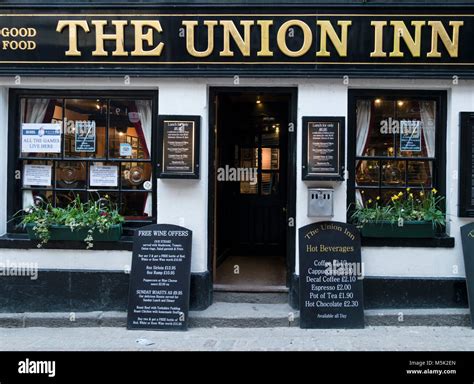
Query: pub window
[103, 149]
[397, 138]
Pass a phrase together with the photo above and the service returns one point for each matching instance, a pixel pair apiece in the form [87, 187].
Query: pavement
[372, 338]
[239, 315]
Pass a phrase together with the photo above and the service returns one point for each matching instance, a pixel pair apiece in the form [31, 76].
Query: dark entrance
[253, 152]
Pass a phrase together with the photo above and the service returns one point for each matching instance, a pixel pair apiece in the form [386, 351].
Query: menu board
[179, 149]
[323, 148]
[330, 276]
[466, 165]
[160, 278]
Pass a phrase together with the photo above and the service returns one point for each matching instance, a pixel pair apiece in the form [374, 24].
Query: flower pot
[63, 232]
[410, 229]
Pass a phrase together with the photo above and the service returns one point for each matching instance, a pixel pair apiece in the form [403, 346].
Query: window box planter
[410, 229]
[63, 232]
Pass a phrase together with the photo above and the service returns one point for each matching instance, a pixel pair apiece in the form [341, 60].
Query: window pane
[420, 173]
[37, 173]
[71, 174]
[38, 118]
[364, 195]
[387, 194]
[393, 173]
[37, 197]
[103, 175]
[406, 127]
[417, 134]
[134, 175]
[136, 205]
[270, 183]
[367, 172]
[130, 129]
[270, 158]
[85, 125]
[248, 188]
[64, 198]
[373, 139]
[249, 157]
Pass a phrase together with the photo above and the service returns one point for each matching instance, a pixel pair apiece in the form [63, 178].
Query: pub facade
[241, 123]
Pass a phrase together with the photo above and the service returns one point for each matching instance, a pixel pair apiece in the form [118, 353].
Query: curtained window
[395, 146]
[103, 149]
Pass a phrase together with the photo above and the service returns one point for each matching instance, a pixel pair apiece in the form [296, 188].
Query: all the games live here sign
[330, 276]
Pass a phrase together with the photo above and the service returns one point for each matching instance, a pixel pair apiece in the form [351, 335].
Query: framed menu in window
[178, 147]
[323, 148]
[466, 165]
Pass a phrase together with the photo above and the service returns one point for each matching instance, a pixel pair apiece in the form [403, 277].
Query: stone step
[240, 315]
[249, 297]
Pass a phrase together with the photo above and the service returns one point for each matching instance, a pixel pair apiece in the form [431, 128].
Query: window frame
[439, 163]
[14, 162]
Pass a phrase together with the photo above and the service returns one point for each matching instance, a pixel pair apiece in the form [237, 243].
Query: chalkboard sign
[323, 148]
[466, 165]
[160, 278]
[179, 147]
[330, 276]
[467, 237]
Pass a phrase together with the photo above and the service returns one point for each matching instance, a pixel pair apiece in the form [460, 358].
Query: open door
[251, 190]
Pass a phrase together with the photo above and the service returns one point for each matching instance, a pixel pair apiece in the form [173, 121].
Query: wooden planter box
[63, 232]
[410, 229]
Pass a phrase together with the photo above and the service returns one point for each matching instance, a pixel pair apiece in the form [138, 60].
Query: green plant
[97, 215]
[408, 206]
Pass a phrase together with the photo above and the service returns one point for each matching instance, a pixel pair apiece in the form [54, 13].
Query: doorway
[252, 163]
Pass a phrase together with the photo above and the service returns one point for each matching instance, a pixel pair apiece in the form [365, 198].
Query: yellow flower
[394, 197]
[106, 196]
[369, 201]
[408, 189]
[378, 197]
[422, 194]
[434, 191]
[400, 194]
[411, 195]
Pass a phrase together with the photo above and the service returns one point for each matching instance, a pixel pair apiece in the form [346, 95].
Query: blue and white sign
[125, 149]
[85, 136]
[40, 138]
[410, 135]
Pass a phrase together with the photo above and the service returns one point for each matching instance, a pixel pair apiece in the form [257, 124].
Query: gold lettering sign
[266, 37]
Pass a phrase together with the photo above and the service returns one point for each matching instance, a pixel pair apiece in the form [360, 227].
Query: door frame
[292, 92]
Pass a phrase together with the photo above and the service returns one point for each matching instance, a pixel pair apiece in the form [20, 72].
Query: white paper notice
[41, 138]
[39, 175]
[103, 176]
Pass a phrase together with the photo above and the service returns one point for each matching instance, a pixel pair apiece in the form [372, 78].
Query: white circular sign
[147, 185]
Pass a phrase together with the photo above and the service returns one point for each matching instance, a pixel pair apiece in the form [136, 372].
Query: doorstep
[239, 315]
